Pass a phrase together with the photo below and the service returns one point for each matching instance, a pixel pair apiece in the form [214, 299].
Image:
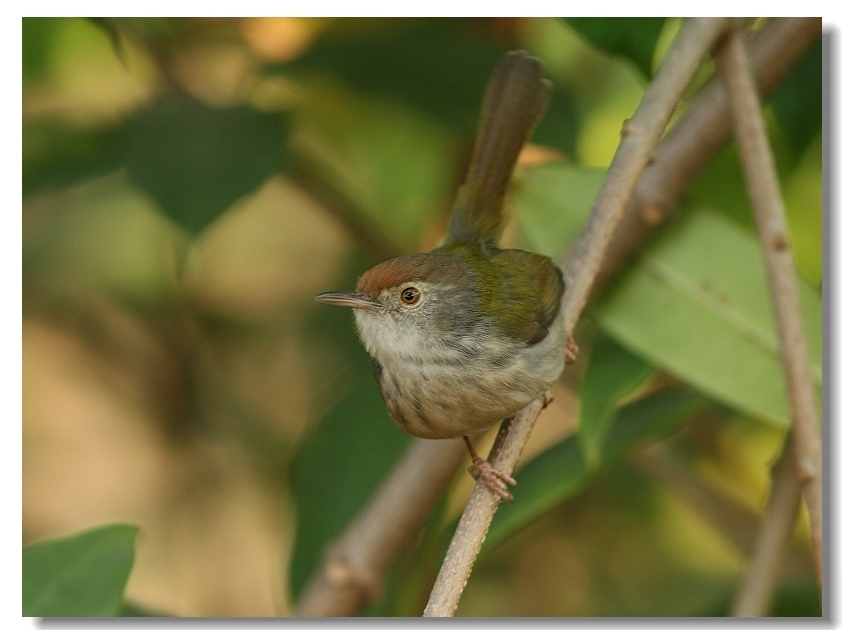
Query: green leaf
[634, 38]
[553, 203]
[196, 160]
[337, 470]
[612, 374]
[560, 472]
[79, 576]
[696, 303]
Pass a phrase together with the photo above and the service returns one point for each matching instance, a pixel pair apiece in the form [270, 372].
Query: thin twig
[755, 595]
[764, 193]
[691, 143]
[480, 509]
[640, 137]
[700, 134]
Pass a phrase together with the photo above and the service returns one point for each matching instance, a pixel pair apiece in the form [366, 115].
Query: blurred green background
[190, 184]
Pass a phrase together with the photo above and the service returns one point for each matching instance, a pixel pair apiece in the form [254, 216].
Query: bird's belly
[433, 400]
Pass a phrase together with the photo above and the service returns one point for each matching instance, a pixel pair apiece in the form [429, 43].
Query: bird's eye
[410, 296]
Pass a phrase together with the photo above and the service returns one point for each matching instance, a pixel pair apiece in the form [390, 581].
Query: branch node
[653, 214]
[341, 572]
[780, 241]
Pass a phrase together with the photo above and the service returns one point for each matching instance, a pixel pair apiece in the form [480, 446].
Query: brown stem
[692, 142]
[764, 193]
[701, 133]
[637, 149]
[755, 595]
[476, 518]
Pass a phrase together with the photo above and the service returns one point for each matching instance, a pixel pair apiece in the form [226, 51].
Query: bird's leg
[572, 350]
[495, 480]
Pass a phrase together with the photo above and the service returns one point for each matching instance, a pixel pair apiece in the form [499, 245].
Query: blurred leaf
[635, 38]
[436, 65]
[696, 303]
[797, 103]
[38, 37]
[392, 167]
[797, 600]
[439, 66]
[553, 202]
[339, 467]
[612, 374]
[196, 160]
[560, 472]
[56, 154]
[79, 576]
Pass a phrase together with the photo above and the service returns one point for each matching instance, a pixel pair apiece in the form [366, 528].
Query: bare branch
[755, 596]
[692, 142]
[764, 193]
[703, 130]
[476, 518]
[640, 136]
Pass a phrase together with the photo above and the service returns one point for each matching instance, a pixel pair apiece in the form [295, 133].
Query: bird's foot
[495, 480]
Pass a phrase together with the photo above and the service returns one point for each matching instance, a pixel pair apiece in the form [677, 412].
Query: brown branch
[764, 193]
[640, 137]
[701, 133]
[755, 595]
[480, 509]
[693, 141]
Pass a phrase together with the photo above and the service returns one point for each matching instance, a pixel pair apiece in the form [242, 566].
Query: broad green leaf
[337, 470]
[612, 374]
[553, 203]
[635, 38]
[696, 303]
[79, 576]
[196, 160]
[560, 472]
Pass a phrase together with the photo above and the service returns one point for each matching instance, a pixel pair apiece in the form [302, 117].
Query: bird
[468, 334]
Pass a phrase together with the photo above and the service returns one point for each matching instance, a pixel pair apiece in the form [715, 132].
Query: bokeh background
[190, 184]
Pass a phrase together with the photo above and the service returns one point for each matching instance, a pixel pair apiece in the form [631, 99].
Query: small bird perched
[469, 334]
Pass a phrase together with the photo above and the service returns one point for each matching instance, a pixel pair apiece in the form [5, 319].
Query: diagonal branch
[764, 193]
[691, 143]
[770, 549]
[640, 137]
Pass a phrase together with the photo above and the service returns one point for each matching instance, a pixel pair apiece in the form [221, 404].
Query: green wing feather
[519, 290]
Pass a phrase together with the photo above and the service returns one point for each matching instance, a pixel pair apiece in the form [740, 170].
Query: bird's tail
[515, 99]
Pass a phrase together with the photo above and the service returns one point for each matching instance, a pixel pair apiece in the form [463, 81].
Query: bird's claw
[495, 480]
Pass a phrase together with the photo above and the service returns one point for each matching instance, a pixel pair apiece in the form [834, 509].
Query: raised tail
[515, 99]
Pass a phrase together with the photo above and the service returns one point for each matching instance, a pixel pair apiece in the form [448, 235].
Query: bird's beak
[354, 299]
